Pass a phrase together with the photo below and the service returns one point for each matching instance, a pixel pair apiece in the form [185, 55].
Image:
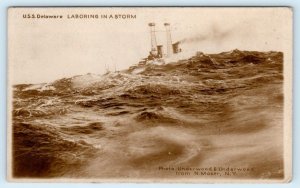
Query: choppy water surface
[217, 110]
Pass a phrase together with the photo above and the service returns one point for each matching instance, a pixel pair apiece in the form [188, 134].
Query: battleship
[158, 53]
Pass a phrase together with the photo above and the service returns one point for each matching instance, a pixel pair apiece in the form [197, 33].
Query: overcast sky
[42, 50]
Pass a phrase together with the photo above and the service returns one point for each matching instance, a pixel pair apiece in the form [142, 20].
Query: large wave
[200, 111]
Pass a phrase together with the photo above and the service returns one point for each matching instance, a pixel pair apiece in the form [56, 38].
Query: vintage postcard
[149, 94]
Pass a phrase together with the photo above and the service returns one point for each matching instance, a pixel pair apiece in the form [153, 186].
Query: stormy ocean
[210, 111]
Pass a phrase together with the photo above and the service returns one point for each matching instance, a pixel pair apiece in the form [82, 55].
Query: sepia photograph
[149, 94]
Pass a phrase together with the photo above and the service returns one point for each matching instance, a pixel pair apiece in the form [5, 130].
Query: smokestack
[153, 38]
[160, 52]
[169, 40]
